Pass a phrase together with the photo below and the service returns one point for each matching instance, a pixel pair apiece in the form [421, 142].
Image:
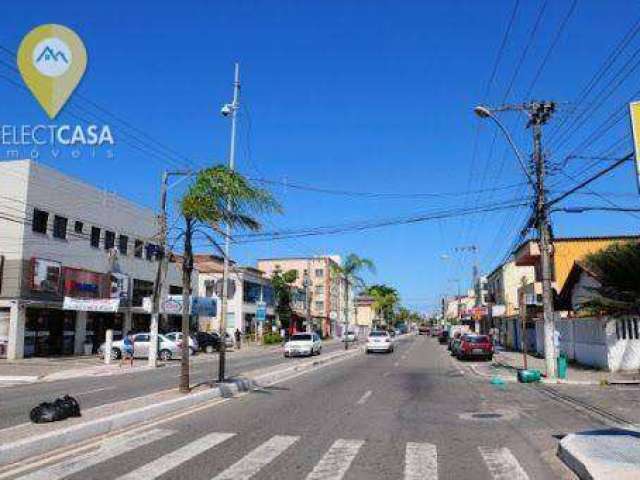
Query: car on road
[443, 337]
[423, 330]
[306, 344]
[379, 341]
[454, 343]
[167, 349]
[349, 336]
[177, 337]
[208, 342]
[475, 346]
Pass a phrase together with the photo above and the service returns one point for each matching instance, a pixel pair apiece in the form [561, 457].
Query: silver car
[177, 338]
[167, 349]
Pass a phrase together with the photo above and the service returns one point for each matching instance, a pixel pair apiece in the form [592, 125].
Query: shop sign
[119, 286]
[45, 275]
[172, 305]
[83, 283]
[261, 311]
[91, 304]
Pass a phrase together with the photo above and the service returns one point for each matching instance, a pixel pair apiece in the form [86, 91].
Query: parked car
[443, 337]
[167, 349]
[455, 342]
[379, 341]
[303, 344]
[229, 342]
[177, 337]
[423, 330]
[349, 337]
[208, 342]
[475, 346]
[452, 338]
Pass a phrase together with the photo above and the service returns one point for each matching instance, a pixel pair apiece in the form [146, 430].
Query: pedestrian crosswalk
[420, 460]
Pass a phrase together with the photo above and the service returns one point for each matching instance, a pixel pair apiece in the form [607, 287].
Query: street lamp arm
[484, 112]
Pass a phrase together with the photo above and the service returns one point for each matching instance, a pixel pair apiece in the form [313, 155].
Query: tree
[385, 298]
[282, 284]
[349, 271]
[617, 269]
[218, 196]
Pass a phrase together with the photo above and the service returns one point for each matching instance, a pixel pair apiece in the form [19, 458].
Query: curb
[36, 445]
[572, 459]
[19, 378]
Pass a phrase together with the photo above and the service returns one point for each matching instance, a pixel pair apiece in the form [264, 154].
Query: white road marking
[502, 465]
[386, 374]
[364, 397]
[251, 463]
[95, 390]
[335, 463]
[396, 364]
[108, 450]
[420, 462]
[158, 467]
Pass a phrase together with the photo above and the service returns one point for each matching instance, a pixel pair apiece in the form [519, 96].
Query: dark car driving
[208, 342]
[443, 337]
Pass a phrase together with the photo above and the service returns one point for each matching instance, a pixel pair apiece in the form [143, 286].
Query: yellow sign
[634, 110]
[52, 60]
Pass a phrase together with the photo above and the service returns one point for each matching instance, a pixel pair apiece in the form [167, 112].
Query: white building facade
[74, 261]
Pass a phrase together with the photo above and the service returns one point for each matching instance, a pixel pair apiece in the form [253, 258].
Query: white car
[379, 341]
[167, 349]
[303, 344]
[349, 337]
[177, 337]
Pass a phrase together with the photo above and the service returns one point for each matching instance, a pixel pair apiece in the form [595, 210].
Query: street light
[484, 112]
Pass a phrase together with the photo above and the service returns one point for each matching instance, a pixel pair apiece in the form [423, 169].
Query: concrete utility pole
[228, 109]
[346, 312]
[523, 320]
[306, 283]
[160, 274]
[539, 113]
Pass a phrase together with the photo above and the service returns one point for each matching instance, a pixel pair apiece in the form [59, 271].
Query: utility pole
[523, 320]
[307, 299]
[539, 113]
[160, 274]
[229, 109]
[346, 312]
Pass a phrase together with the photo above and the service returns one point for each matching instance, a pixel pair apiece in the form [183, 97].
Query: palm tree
[349, 271]
[385, 299]
[218, 196]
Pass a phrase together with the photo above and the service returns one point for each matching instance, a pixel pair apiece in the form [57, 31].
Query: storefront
[49, 332]
[97, 325]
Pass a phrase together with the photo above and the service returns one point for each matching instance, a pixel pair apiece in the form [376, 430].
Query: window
[319, 305]
[150, 251]
[319, 273]
[78, 227]
[59, 227]
[109, 240]
[319, 289]
[251, 292]
[141, 337]
[123, 244]
[40, 219]
[95, 237]
[175, 290]
[138, 247]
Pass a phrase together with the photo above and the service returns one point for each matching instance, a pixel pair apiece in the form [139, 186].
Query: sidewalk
[506, 364]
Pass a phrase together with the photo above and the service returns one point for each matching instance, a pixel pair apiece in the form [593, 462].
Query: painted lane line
[155, 469]
[502, 465]
[364, 397]
[421, 461]
[396, 364]
[253, 462]
[108, 450]
[386, 374]
[95, 390]
[335, 463]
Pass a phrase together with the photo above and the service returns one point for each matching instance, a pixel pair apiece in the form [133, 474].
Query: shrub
[271, 338]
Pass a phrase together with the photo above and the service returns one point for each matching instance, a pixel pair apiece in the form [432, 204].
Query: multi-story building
[503, 284]
[74, 261]
[247, 287]
[326, 293]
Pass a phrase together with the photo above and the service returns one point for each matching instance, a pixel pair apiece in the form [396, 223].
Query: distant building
[327, 292]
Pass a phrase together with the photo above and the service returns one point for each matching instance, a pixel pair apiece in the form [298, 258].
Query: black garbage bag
[59, 409]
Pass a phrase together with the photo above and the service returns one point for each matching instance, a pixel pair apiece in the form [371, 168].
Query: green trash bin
[563, 364]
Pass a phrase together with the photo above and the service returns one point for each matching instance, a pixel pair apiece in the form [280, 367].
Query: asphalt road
[407, 415]
[17, 401]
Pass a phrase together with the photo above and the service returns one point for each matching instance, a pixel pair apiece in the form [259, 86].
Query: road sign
[261, 312]
[634, 111]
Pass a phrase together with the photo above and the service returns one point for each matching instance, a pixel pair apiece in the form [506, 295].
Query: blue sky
[347, 95]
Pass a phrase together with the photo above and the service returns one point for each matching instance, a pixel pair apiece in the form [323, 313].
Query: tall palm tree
[218, 196]
[350, 271]
[385, 299]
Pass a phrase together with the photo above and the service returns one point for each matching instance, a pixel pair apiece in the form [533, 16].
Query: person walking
[127, 350]
[238, 336]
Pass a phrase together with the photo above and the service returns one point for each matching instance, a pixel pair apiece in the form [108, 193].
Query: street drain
[486, 415]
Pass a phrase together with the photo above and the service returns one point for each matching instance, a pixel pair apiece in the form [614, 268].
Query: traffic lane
[314, 407]
[16, 402]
